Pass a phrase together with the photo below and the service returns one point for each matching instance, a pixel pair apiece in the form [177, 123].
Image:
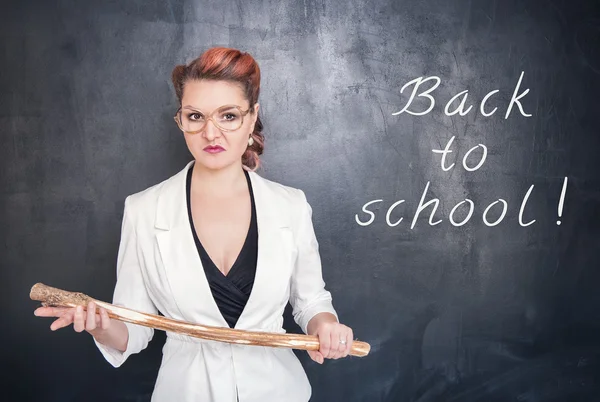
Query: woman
[219, 245]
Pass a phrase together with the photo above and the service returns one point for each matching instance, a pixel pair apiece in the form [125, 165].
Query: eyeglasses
[226, 118]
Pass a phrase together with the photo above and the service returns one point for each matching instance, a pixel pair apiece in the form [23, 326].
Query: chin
[214, 163]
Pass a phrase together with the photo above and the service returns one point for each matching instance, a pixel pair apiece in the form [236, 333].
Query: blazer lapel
[272, 228]
[182, 263]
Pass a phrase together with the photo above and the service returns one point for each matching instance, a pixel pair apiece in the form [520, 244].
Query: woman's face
[200, 98]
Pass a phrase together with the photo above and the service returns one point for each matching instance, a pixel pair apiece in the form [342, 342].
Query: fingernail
[79, 309]
[35, 312]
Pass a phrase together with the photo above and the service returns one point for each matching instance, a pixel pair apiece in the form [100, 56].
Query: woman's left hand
[335, 341]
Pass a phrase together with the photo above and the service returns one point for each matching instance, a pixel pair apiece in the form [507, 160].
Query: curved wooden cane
[53, 297]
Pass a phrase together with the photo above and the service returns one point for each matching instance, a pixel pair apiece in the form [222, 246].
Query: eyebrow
[188, 107]
[198, 110]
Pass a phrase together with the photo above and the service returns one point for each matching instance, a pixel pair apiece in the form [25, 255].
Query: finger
[90, 322]
[105, 318]
[338, 351]
[342, 336]
[50, 311]
[78, 321]
[316, 356]
[349, 340]
[324, 342]
[58, 324]
[344, 347]
[343, 344]
[335, 344]
[65, 320]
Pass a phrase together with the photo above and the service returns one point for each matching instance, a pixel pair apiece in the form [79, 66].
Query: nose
[211, 131]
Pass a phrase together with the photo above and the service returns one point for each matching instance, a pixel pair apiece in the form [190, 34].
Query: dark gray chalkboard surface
[461, 310]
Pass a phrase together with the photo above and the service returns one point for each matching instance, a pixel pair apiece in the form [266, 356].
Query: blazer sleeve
[308, 295]
[130, 291]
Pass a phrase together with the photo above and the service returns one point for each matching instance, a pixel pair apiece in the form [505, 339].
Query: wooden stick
[53, 297]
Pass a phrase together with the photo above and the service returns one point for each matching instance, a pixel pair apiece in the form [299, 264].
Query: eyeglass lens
[226, 118]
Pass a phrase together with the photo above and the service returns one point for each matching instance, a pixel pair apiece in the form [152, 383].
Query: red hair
[227, 64]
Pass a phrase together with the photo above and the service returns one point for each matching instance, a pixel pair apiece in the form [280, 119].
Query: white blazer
[159, 270]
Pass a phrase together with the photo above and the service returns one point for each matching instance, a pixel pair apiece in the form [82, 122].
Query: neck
[218, 183]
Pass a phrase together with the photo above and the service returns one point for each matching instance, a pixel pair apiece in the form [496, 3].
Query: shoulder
[147, 196]
[284, 194]
[146, 200]
[285, 203]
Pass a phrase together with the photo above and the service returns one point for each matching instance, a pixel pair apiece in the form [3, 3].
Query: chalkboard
[449, 150]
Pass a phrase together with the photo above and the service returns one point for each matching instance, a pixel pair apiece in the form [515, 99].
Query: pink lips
[214, 149]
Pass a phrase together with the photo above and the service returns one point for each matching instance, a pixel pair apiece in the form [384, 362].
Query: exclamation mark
[561, 203]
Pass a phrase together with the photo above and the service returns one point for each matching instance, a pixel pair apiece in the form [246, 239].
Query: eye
[195, 116]
[230, 116]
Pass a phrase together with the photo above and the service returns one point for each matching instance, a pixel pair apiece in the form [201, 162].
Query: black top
[231, 291]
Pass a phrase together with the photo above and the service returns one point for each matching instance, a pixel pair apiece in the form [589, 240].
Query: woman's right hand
[95, 324]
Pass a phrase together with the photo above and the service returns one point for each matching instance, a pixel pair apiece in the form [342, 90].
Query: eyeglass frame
[210, 117]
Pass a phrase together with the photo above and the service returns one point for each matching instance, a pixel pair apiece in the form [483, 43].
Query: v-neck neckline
[199, 244]
[191, 291]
